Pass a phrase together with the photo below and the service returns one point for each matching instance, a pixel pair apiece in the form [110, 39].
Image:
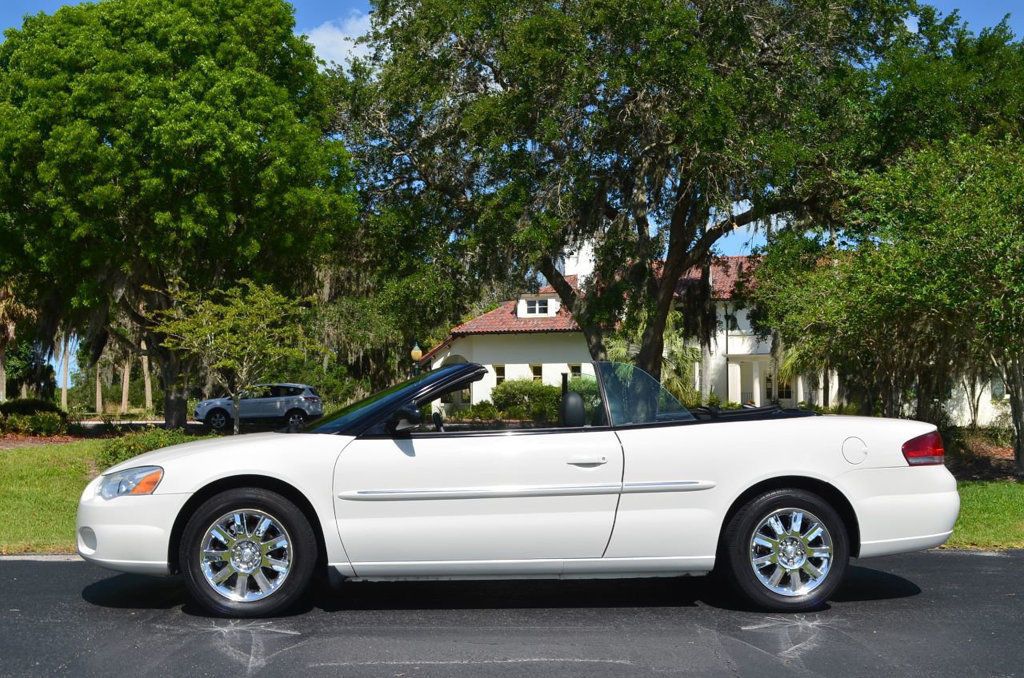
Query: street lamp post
[416, 354]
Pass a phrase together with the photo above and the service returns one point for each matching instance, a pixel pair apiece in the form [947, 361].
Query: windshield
[371, 408]
[635, 397]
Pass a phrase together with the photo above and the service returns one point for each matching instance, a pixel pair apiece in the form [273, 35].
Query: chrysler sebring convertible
[627, 483]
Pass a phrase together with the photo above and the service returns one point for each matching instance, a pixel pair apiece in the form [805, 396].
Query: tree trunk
[147, 379]
[705, 374]
[99, 393]
[64, 372]
[972, 389]
[236, 406]
[1013, 375]
[126, 381]
[3, 373]
[173, 373]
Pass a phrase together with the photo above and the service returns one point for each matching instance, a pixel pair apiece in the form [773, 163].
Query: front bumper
[128, 534]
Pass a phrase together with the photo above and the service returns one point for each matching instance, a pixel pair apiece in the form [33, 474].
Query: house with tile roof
[535, 337]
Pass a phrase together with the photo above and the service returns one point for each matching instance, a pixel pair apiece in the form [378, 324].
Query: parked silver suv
[291, 404]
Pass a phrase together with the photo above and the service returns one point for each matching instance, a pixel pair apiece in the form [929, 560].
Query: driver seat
[438, 421]
[571, 413]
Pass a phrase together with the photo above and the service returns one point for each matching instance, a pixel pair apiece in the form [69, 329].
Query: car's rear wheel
[218, 421]
[786, 550]
[247, 552]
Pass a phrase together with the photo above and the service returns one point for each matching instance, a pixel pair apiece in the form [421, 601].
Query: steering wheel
[438, 422]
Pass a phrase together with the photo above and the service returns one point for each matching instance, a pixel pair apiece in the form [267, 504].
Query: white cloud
[334, 40]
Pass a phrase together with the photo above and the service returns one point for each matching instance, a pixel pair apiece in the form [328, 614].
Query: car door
[477, 503]
[261, 404]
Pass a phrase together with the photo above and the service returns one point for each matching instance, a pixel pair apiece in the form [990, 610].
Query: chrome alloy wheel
[246, 555]
[791, 552]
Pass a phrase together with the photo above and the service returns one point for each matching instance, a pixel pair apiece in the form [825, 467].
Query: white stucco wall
[553, 351]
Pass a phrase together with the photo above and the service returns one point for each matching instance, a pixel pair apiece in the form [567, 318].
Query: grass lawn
[991, 515]
[40, 486]
[39, 490]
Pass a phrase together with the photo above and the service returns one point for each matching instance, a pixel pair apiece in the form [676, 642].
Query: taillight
[924, 450]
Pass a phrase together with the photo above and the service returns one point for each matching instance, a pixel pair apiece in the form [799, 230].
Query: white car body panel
[501, 505]
[492, 498]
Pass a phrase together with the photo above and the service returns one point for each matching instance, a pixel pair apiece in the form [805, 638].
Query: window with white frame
[537, 372]
[575, 371]
[499, 374]
[536, 307]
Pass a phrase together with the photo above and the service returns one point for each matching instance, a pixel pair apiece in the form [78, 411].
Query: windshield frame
[357, 417]
[599, 369]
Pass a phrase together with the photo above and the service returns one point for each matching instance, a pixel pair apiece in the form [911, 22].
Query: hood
[165, 455]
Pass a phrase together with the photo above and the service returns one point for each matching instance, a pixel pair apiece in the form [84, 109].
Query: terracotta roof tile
[725, 273]
[504, 320]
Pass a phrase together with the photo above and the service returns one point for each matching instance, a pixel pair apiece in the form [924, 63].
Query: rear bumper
[127, 534]
[902, 509]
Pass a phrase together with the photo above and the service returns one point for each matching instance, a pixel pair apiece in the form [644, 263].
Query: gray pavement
[931, 614]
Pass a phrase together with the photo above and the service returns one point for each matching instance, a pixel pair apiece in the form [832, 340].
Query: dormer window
[536, 307]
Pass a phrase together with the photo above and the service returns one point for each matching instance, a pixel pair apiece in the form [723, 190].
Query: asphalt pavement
[941, 613]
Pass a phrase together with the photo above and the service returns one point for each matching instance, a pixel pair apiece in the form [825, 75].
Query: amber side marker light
[148, 483]
[926, 450]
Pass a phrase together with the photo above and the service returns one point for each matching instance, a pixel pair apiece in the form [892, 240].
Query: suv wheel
[218, 420]
[295, 419]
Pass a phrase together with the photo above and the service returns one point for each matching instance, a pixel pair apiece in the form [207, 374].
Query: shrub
[482, 411]
[47, 424]
[527, 397]
[116, 450]
[18, 423]
[29, 406]
[39, 424]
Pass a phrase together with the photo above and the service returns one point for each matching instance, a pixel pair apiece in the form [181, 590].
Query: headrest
[572, 413]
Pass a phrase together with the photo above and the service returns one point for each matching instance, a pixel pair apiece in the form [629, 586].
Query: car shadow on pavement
[141, 592]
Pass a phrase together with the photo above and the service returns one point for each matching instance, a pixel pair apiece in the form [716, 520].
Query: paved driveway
[931, 614]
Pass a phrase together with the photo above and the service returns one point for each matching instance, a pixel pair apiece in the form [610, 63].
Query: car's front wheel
[786, 550]
[218, 421]
[247, 552]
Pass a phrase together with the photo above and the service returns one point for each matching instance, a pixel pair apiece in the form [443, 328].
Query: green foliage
[124, 447]
[482, 411]
[29, 406]
[525, 398]
[503, 134]
[34, 424]
[145, 141]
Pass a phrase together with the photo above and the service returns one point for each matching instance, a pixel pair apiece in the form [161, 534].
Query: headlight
[142, 480]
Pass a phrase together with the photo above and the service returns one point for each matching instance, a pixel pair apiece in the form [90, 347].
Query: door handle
[587, 460]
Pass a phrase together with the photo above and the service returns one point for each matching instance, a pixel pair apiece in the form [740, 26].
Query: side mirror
[405, 419]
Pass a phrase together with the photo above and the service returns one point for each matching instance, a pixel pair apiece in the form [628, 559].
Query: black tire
[739, 553]
[295, 419]
[218, 420]
[301, 554]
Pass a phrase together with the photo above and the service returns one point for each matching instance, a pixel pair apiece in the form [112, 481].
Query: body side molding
[510, 491]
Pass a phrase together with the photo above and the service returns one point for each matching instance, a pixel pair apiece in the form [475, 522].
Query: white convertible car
[628, 484]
